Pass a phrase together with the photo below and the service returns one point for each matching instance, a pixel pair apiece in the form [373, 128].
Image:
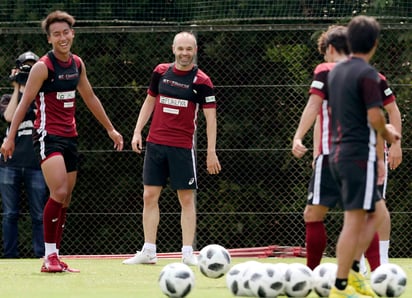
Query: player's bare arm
[395, 150]
[306, 121]
[95, 106]
[377, 120]
[144, 116]
[212, 162]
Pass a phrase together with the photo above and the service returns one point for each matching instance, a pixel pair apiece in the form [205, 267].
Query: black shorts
[323, 189]
[49, 145]
[356, 180]
[162, 162]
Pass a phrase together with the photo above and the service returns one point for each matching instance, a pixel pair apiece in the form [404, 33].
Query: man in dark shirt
[358, 126]
[22, 173]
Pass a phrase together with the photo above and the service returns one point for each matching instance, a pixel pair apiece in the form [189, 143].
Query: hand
[7, 148]
[390, 134]
[117, 139]
[395, 155]
[137, 142]
[213, 165]
[298, 149]
[381, 172]
[14, 72]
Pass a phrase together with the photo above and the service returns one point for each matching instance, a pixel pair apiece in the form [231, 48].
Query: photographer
[23, 169]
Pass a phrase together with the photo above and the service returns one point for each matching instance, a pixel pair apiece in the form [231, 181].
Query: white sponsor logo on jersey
[174, 101]
[171, 111]
[210, 98]
[69, 104]
[388, 91]
[66, 95]
[317, 84]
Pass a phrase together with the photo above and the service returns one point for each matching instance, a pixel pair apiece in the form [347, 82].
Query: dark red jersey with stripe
[319, 87]
[387, 94]
[56, 101]
[179, 95]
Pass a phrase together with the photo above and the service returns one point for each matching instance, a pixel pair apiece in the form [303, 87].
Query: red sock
[51, 216]
[316, 239]
[372, 253]
[60, 227]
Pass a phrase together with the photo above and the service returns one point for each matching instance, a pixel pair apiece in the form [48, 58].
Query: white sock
[49, 248]
[151, 247]
[384, 251]
[187, 250]
[362, 264]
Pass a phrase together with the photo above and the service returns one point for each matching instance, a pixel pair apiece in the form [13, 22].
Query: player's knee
[312, 213]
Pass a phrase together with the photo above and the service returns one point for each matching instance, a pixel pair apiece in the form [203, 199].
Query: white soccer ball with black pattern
[298, 280]
[176, 280]
[214, 261]
[324, 276]
[266, 280]
[388, 280]
[238, 278]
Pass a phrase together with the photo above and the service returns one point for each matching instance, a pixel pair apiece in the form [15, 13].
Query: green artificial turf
[110, 278]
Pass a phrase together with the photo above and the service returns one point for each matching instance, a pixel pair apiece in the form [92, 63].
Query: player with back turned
[356, 158]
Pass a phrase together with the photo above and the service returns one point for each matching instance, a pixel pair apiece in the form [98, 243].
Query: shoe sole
[71, 270]
[45, 270]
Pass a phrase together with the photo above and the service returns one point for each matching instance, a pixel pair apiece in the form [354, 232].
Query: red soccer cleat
[51, 264]
[66, 268]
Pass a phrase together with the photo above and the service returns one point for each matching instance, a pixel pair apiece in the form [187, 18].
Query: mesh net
[261, 72]
[187, 11]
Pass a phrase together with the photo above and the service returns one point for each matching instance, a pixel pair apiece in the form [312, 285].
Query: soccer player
[176, 92]
[356, 157]
[393, 158]
[53, 82]
[323, 192]
[323, 195]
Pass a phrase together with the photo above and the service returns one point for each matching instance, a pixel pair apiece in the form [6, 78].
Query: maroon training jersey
[319, 87]
[56, 99]
[179, 94]
[387, 94]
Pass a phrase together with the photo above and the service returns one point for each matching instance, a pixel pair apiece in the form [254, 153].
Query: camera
[23, 67]
[22, 75]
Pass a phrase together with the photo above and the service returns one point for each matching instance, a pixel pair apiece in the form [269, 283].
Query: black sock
[356, 266]
[341, 283]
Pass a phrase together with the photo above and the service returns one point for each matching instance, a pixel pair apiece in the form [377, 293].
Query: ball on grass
[214, 261]
[388, 280]
[298, 280]
[176, 280]
[324, 276]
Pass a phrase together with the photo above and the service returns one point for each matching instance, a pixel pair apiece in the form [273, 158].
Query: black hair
[363, 33]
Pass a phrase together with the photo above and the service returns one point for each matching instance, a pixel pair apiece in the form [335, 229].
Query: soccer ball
[237, 278]
[266, 280]
[282, 267]
[214, 261]
[324, 276]
[176, 280]
[298, 280]
[388, 280]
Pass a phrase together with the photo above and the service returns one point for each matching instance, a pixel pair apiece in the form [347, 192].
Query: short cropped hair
[184, 34]
[337, 37]
[55, 17]
[363, 32]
